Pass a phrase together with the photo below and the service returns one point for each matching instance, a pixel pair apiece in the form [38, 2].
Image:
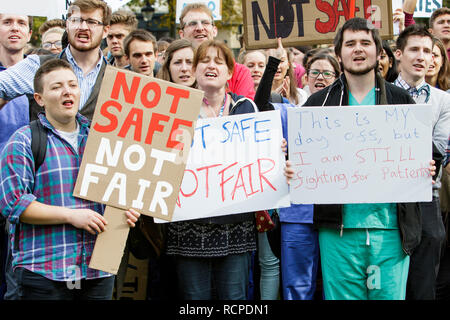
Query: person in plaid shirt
[52, 232]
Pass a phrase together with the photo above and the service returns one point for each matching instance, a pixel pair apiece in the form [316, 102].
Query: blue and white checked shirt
[52, 251]
[18, 79]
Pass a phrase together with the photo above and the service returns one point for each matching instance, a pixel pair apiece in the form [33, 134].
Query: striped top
[18, 79]
[57, 252]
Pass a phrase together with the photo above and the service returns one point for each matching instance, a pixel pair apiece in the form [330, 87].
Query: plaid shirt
[420, 94]
[57, 252]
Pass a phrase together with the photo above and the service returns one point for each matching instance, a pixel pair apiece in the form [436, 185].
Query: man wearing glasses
[87, 24]
[197, 25]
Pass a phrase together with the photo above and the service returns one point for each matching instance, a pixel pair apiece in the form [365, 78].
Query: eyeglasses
[314, 73]
[48, 45]
[192, 24]
[91, 23]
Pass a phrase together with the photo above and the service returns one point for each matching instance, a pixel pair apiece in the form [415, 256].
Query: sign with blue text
[301, 22]
[364, 154]
[235, 165]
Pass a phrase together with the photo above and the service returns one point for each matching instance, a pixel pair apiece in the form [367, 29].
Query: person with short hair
[53, 233]
[50, 24]
[197, 25]
[414, 52]
[140, 49]
[353, 237]
[122, 23]
[440, 26]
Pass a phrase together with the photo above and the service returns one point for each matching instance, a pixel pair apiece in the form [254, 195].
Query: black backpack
[38, 143]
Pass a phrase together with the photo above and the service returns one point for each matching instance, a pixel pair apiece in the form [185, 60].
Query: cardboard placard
[110, 244]
[235, 165]
[140, 130]
[308, 22]
[364, 154]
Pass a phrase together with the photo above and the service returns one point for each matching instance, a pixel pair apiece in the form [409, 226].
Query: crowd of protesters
[317, 251]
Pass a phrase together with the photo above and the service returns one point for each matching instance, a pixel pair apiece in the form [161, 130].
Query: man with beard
[415, 53]
[364, 248]
[87, 24]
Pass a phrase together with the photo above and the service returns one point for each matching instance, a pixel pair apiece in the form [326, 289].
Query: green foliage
[35, 36]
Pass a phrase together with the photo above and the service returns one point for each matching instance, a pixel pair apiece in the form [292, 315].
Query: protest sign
[235, 165]
[139, 128]
[214, 5]
[425, 8]
[305, 22]
[360, 154]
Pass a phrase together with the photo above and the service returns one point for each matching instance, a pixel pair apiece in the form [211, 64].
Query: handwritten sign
[304, 22]
[136, 135]
[47, 8]
[235, 165]
[360, 154]
[214, 5]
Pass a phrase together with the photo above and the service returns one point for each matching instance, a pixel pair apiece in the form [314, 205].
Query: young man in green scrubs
[364, 248]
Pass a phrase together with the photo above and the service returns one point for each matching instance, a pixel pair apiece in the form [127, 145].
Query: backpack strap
[38, 143]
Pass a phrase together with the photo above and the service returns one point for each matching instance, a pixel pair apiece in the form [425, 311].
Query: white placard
[47, 8]
[235, 165]
[364, 154]
[214, 5]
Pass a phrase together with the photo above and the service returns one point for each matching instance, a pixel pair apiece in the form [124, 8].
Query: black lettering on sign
[281, 18]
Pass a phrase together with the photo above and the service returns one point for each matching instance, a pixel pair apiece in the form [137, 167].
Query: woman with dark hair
[439, 71]
[321, 71]
[387, 65]
[177, 66]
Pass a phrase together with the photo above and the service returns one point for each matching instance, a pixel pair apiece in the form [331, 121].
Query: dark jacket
[330, 215]
[239, 105]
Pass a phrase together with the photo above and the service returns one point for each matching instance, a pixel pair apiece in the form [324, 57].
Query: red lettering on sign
[348, 12]
[112, 118]
[155, 126]
[134, 118]
[177, 94]
[151, 86]
[239, 178]
[174, 132]
[222, 181]
[128, 93]
[196, 185]
[261, 174]
[207, 176]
